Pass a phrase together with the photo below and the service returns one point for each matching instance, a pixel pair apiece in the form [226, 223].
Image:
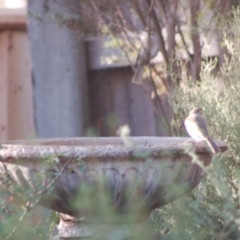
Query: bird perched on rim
[196, 126]
[149, 48]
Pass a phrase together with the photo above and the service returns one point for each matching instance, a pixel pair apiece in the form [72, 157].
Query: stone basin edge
[101, 148]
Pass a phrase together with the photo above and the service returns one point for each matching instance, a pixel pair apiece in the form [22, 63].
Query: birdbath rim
[101, 147]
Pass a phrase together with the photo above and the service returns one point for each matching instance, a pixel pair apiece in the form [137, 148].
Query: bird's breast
[193, 130]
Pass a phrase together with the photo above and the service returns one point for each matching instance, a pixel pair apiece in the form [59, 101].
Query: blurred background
[74, 79]
[105, 102]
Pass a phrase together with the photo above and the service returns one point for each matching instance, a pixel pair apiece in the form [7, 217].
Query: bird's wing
[201, 124]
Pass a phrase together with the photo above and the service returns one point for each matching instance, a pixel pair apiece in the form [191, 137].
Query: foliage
[18, 206]
[211, 211]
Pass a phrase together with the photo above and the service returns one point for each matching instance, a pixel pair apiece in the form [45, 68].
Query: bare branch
[161, 11]
[159, 101]
[159, 31]
[139, 12]
[184, 41]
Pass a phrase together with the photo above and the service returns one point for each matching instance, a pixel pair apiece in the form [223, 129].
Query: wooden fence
[16, 105]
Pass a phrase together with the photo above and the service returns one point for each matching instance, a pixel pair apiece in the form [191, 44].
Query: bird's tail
[213, 146]
[138, 75]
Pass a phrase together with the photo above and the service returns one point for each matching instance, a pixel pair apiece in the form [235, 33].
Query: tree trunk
[196, 61]
[59, 70]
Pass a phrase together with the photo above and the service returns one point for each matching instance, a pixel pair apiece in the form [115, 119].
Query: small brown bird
[196, 127]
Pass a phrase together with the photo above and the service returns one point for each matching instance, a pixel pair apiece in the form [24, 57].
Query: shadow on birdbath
[104, 187]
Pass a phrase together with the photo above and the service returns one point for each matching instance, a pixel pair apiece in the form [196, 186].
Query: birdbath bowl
[95, 183]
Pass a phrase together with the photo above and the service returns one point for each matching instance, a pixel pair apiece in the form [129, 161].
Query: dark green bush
[211, 211]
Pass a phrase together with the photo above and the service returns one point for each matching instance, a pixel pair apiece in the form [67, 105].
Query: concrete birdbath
[102, 186]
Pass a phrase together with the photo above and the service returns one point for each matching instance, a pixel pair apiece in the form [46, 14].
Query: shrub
[211, 211]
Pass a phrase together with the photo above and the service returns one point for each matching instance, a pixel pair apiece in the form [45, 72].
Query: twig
[121, 26]
[124, 34]
[56, 178]
[159, 101]
[151, 6]
[161, 42]
[67, 6]
[161, 10]
[139, 12]
[156, 24]
[126, 37]
[121, 16]
[184, 41]
[159, 75]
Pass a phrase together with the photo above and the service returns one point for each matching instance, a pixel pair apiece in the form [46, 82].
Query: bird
[196, 126]
[149, 40]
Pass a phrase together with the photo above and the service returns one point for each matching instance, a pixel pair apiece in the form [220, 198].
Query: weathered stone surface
[133, 176]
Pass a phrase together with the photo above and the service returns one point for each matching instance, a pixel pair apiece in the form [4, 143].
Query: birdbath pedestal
[104, 188]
